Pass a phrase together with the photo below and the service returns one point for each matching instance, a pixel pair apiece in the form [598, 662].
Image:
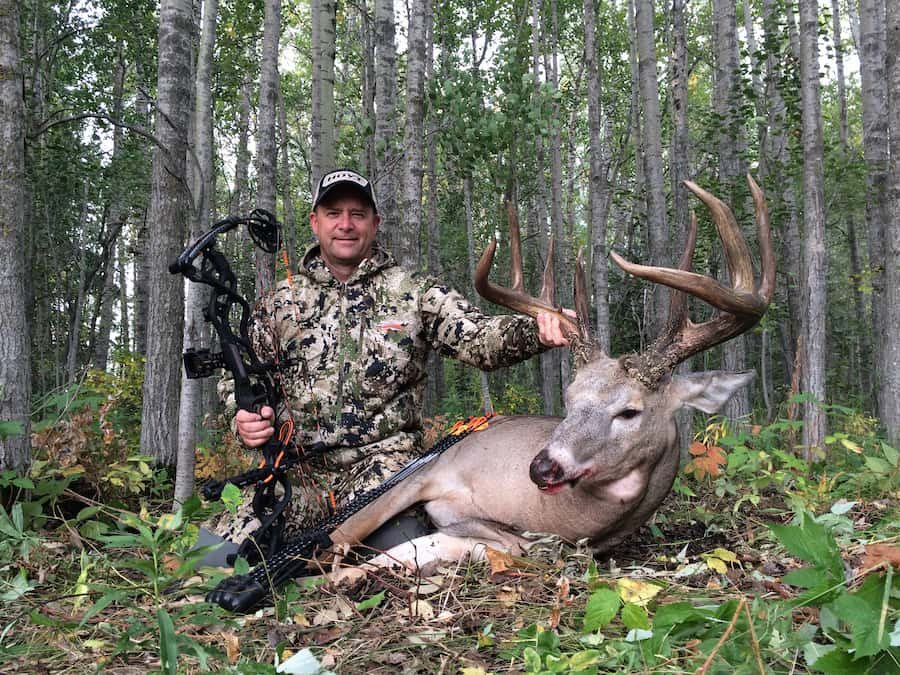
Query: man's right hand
[255, 429]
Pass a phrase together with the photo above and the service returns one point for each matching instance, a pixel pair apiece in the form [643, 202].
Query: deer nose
[544, 471]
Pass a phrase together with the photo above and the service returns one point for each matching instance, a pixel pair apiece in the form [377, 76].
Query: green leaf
[87, 512]
[369, 603]
[601, 608]
[105, 600]
[231, 497]
[840, 662]
[634, 616]
[862, 612]
[168, 647]
[807, 577]
[532, 660]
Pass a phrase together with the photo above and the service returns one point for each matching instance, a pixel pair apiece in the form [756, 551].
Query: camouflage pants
[317, 489]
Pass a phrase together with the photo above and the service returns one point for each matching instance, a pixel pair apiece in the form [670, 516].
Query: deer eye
[628, 413]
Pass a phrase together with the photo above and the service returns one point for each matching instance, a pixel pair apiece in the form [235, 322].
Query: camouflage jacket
[355, 351]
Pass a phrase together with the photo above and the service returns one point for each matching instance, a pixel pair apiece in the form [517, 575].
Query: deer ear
[708, 391]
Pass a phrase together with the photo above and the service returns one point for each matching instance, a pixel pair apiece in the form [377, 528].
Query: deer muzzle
[544, 471]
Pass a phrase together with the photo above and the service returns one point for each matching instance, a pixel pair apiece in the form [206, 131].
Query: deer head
[620, 411]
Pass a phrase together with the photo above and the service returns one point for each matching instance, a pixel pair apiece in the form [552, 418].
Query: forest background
[129, 128]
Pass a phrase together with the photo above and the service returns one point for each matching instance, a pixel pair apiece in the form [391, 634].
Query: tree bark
[15, 354]
[876, 149]
[890, 387]
[814, 427]
[657, 218]
[599, 181]
[266, 148]
[322, 116]
[167, 218]
[385, 124]
[202, 187]
[413, 169]
[486, 403]
[289, 221]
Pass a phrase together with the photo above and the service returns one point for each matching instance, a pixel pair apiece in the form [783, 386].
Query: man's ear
[707, 391]
[314, 224]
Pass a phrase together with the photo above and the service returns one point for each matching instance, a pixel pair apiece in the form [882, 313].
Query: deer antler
[515, 297]
[741, 306]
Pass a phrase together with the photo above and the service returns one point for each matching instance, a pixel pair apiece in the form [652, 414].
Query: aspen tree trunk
[289, 221]
[322, 118]
[435, 364]
[367, 76]
[780, 191]
[486, 403]
[876, 149]
[411, 205]
[679, 164]
[731, 142]
[240, 196]
[115, 221]
[124, 311]
[890, 389]
[141, 240]
[15, 354]
[385, 124]
[197, 295]
[73, 338]
[167, 218]
[657, 219]
[813, 382]
[266, 148]
[599, 180]
[548, 359]
[859, 350]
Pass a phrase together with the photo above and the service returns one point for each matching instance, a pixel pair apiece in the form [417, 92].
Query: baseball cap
[332, 180]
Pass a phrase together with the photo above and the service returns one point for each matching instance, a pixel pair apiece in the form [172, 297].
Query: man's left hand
[550, 333]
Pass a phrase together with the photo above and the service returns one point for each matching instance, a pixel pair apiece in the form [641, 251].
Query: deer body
[600, 472]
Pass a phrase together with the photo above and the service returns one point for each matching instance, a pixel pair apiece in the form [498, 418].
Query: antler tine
[548, 281]
[741, 306]
[515, 298]
[516, 280]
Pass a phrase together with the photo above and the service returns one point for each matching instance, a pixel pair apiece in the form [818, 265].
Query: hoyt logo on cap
[330, 181]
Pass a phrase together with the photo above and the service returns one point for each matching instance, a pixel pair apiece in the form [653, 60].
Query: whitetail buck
[600, 472]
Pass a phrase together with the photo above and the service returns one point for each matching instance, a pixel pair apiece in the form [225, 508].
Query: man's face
[345, 225]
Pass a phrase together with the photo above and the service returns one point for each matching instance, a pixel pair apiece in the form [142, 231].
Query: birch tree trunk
[731, 142]
[599, 181]
[15, 350]
[411, 207]
[165, 316]
[266, 148]
[486, 403]
[385, 124]
[890, 389]
[814, 427]
[141, 244]
[657, 218]
[876, 149]
[289, 221]
[367, 76]
[322, 116]
[202, 187]
[781, 191]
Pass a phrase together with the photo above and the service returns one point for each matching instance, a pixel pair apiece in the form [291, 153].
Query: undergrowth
[759, 562]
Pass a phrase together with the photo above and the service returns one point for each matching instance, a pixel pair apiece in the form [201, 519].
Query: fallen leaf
[553, 621]
[635, 591]
[508, 598]
[422, 609]
[500, 561]
[327, 635]
[563, 592]
[880, 555]
[232, 646]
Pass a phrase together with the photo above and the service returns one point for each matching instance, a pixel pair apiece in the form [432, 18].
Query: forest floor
[758, 569]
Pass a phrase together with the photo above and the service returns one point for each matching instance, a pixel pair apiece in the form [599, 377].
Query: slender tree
[385, 123]
[413, 168]
[202, 187]
[15, 360]
[657, 218]
[322, 117]
[599, 179]
[890, 389]
[266, 147]
[814, 427]
[167, 218]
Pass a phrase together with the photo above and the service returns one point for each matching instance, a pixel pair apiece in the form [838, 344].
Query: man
[353, 330]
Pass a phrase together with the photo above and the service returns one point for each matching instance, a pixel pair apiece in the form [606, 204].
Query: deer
[601, 471]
